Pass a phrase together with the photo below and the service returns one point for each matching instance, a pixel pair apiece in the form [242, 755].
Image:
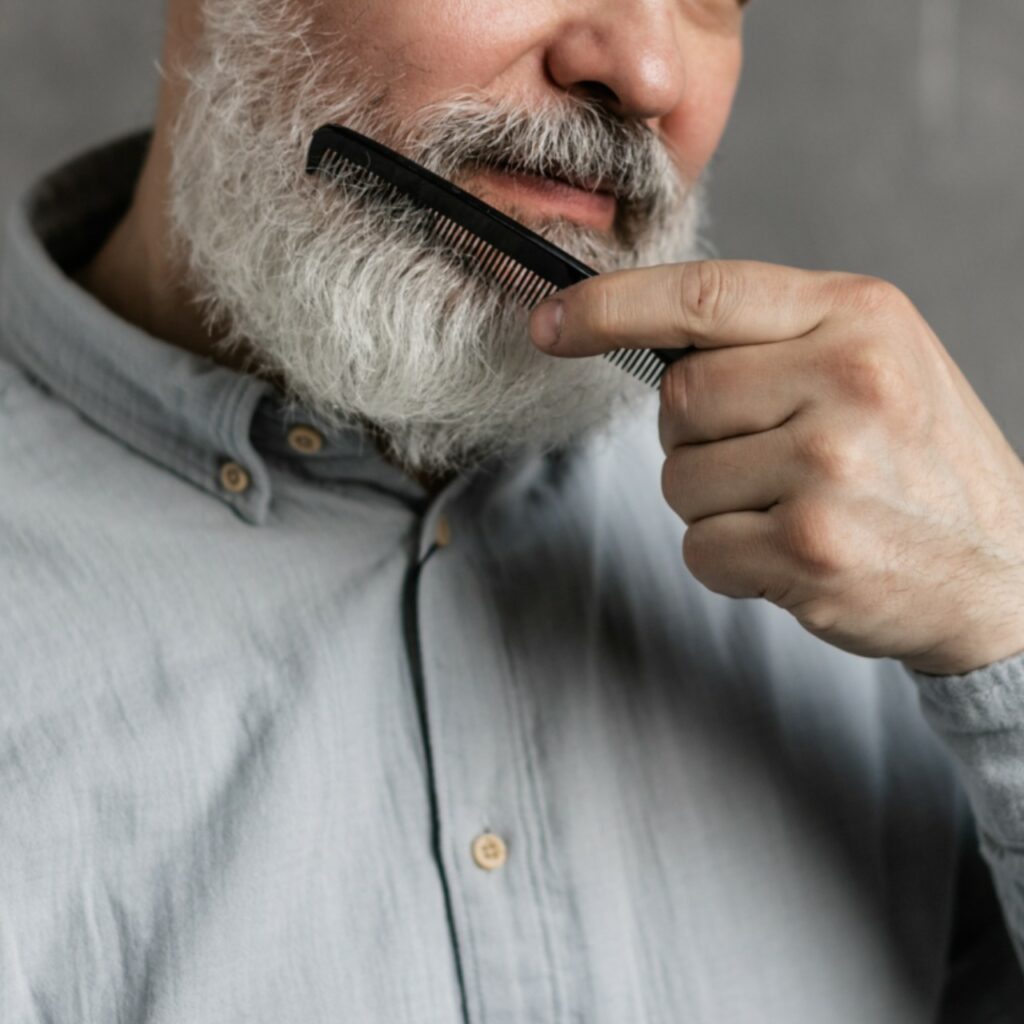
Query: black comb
[528, 266]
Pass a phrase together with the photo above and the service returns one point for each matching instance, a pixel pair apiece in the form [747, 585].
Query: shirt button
[234, 478]
[305, 439]
[489, 851]
[443, 536]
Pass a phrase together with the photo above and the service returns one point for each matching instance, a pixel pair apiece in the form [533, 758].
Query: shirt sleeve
[980, 717]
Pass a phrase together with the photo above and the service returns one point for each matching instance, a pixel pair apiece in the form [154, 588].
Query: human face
[338, 297]
[673, 64]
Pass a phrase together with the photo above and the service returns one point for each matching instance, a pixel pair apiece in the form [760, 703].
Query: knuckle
[673, 389]
[703, 556]
[703, 292]
[871, 374]
[818, 616]
[680, 385]
[698, 555]
[670, 479]
[812, 538]
[831, 456]
[873, 295]
[697, 552]
[682, 483]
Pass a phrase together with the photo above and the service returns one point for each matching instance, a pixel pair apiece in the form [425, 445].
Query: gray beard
[342, 303]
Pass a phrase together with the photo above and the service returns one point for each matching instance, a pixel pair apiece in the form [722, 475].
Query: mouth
[535, 197]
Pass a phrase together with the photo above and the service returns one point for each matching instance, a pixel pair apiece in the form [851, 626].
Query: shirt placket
[491, 841]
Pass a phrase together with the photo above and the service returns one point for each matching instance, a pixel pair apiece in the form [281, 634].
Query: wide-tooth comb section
[526, 266]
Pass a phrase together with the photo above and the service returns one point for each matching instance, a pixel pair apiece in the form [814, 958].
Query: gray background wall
[882, 136]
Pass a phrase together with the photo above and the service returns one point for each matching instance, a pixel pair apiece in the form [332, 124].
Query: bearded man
[370, 656]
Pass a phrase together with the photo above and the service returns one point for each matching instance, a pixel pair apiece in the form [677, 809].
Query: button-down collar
[548, 775]
[177, 408]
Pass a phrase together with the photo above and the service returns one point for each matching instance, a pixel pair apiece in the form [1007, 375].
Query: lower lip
[544, 198]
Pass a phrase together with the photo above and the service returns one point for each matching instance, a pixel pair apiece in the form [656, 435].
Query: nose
[626, 54]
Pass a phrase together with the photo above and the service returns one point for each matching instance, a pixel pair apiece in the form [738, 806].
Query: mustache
[577, 141]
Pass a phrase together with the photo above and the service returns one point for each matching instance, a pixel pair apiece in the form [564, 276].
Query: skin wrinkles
[419, 52]
[535, 51]
[265, 271]
[878, 534]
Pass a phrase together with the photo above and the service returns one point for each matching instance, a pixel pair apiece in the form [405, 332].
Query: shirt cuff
[991, 697]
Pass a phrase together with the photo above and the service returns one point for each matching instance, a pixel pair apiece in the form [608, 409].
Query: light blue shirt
[259, 704]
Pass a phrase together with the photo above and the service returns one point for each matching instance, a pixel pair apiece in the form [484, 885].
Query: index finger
[706, 303]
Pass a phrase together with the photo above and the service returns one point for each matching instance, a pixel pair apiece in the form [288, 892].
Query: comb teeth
[525, 286]
[518, 280]
[640, 363]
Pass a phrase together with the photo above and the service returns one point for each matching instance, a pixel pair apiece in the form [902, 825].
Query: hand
[825, 452]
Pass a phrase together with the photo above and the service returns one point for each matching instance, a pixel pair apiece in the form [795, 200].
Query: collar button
[234, 478]
[443, 532]
[305, 440]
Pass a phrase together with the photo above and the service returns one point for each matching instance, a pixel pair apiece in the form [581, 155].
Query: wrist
[967, 656]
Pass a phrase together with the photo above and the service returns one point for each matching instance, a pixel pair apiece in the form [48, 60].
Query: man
[351, 670]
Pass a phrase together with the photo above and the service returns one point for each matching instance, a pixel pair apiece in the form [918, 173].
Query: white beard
[343, 303]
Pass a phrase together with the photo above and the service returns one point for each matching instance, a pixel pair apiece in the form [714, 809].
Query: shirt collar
[179, 409]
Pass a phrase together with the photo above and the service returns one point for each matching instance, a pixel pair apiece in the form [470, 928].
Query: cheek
[426, 49]
[696, 125]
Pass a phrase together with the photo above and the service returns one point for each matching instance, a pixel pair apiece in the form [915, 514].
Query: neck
[135, 275]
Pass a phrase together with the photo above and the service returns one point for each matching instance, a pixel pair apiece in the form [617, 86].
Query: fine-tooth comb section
[525, 265]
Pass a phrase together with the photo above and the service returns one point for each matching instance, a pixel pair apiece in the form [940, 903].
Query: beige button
[444, 532]
[234, 478]
[305, 439]
[489, 851]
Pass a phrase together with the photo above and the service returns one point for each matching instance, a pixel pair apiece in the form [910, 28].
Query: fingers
[719, 393]
[797, 555]
[774, 468]
[707, 303]
[781, 555]
[737, 555]
[741, 474]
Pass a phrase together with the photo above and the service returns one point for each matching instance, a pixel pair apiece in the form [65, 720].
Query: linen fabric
[249, 735]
